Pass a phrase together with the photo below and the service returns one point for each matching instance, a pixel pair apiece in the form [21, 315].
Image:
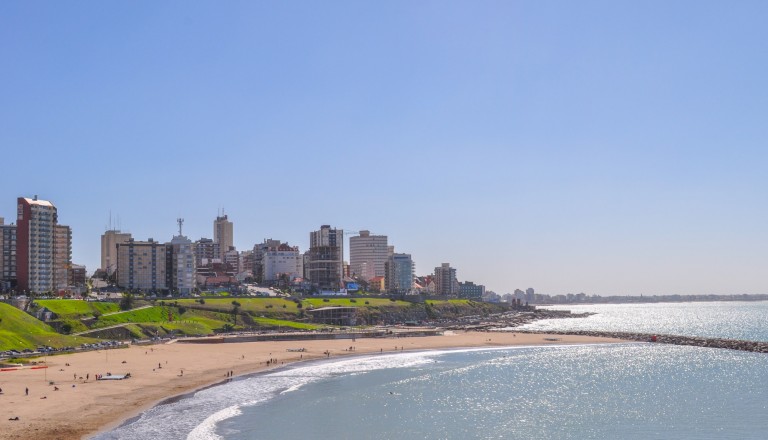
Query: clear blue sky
[597, 146]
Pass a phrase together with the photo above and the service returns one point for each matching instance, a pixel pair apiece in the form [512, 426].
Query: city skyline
[591, 147]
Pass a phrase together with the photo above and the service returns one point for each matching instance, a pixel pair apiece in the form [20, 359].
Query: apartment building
[35, 237]
[399, 274]
[142, 265]
[368, 255]
[326, 258]
[109, 241]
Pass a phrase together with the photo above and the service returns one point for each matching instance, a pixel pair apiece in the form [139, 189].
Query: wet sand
[84, 406]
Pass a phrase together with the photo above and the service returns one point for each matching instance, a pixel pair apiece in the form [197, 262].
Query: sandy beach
[83, 406]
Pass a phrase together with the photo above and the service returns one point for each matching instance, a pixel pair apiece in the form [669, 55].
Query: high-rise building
[530, 295]
[206, 250]
[326, 258]
[142, 265]
[223, 234]
[182, 268]
[35, 240]
[445, 280]
[280, 261]
[367, 255]
[399, 273]
[109, 241]
[7, 256]
[470, 290]
[62, 256]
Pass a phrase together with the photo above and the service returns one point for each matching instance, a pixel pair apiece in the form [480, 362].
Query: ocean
[722, 319]
[605, 391]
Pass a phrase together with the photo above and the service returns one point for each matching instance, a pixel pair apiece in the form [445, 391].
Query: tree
[235, 311]
[126, 303]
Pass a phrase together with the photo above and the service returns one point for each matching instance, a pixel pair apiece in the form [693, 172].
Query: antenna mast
[180, 221]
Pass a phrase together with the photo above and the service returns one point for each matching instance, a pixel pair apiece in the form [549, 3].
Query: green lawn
[286, 324]
[255, 305]
[448, 301]
[353, 302]
[191, 322]
[151, 314]
[19, 330]
[75, 308]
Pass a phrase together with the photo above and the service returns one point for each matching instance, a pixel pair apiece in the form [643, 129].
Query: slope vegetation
[19, 330]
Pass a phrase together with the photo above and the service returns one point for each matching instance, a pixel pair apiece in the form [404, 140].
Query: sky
[610, 148]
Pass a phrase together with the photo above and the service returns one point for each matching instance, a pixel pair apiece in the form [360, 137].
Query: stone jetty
[730, 344]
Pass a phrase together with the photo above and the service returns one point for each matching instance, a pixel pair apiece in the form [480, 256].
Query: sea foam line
[206, 429]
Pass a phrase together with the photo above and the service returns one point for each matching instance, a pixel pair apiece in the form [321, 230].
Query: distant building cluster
[37, 252]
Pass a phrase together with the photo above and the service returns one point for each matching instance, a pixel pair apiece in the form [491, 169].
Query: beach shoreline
[83, 407]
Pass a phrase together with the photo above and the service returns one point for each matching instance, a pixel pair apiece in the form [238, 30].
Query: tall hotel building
[109, 241]
[223, 235]
[326, 258]
[368, 255]
[42, 249]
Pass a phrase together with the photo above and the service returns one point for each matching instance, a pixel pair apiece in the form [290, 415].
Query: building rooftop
[36, 201]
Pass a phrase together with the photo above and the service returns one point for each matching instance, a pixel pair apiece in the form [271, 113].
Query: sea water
[602, 391]
[612, 391]
[726, 319]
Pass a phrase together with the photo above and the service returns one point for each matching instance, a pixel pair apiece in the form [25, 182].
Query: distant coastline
[645, 299]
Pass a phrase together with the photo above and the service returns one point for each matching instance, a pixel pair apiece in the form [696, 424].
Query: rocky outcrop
[512, 318]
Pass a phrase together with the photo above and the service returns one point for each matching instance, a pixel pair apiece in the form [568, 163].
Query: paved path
[126, 311]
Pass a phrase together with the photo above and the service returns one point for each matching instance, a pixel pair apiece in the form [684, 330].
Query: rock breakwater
[730, 344]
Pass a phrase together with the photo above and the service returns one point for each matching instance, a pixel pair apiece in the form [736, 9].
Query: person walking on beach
[26, 391]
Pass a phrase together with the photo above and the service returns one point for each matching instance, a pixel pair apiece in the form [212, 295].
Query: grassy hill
[256, 306]
[74, 308]
[19, 330]
[353, 302]
[204, 316]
